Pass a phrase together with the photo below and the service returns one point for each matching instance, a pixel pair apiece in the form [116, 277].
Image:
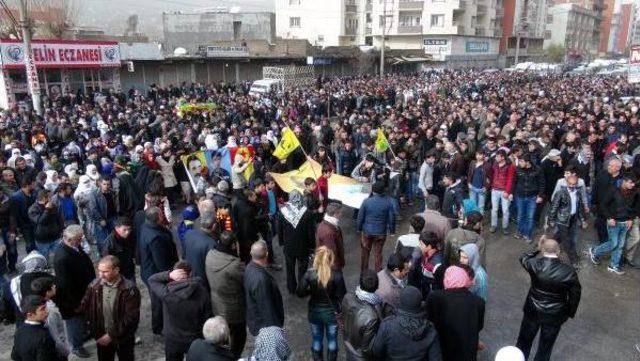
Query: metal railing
[411, 29]
[411, 5]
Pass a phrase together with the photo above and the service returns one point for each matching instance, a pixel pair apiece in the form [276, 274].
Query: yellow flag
[382, 144]
[287, 145]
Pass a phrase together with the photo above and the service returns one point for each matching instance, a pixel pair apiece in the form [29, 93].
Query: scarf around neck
[368, 297]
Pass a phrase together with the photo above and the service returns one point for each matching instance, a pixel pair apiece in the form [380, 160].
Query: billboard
[60, 54]
[634, 64]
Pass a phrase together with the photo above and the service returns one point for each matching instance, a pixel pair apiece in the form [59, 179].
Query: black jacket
[156, 250]
[529, 182]
[299, 241]
[458, 315]
[75, 272]
[124, 250]
[555, 289]
[245, 220]
[331, 296]
[197, 245]
[407, 336]
[185, 306]
[203, 350]
[617, 205]
[452, 200]
[604, 183]
[551, 172]
[33, 343]
[264, 301]
[560, 209]
[48, 223]
[361, 323]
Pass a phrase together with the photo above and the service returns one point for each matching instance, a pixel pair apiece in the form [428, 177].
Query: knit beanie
[410, 300]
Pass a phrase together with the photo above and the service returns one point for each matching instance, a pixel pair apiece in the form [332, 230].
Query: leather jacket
[555, 290]
[560, 209]
[320, 296]
[126, 312]
[361, 323]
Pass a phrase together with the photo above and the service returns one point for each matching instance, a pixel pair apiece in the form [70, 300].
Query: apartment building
[573, 27]
[523, 27]
[621, 27]
[323, 23]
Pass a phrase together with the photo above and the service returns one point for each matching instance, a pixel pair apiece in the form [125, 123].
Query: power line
[9, 13]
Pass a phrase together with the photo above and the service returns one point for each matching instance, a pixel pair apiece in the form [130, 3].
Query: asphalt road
[606, 327]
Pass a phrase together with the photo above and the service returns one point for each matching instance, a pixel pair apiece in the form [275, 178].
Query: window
[437, 20]
[294, 22]
[352, 23]
[547, 34]
[381, 23]
[409, 20]
[368, 17]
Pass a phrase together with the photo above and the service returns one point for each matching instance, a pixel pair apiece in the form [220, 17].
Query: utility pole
[30, 65]
[384, 35]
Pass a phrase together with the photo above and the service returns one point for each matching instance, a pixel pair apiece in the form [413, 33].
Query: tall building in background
[523, 24]
[621, 27]
[324, 23]
[573, 27]
[634, 37]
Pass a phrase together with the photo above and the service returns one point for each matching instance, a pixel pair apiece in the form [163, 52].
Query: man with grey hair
[264, 301]
[198, 242]
[552, 298]
[74, 270]
[214, 346]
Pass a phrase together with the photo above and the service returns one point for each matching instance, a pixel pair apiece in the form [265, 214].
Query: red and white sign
[61, 54]
[634, 65]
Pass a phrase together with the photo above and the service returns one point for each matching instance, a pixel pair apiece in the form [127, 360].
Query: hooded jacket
[185, 306]
[407, 336]
[225, 274]
[480, 285]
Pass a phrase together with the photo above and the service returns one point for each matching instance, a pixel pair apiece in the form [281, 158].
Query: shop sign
[477, 46]
[61, 54]
[215, 51]
[436, 46]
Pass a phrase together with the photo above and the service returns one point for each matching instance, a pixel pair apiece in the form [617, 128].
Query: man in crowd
[264, 301]
[393, 279]
[33, 341]
[198, 242]
[376, 219]
[122, 244]
[501, 190]
[185, 306]
[329, 233]
[47, 222]
[553, 298]
[112, 308]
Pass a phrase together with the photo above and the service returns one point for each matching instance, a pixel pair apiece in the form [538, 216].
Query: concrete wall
[191, 30]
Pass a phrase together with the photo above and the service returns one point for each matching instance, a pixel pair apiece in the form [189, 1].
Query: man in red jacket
[501, 190]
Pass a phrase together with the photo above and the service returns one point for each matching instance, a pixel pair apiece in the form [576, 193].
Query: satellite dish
[180, 52]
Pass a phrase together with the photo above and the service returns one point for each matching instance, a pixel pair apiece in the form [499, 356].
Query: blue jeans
[75, 331]
[615, 244]
[411, 186]
[479, 196]
[497, 200]
[526, 208]
[317, 336]
[47, 248]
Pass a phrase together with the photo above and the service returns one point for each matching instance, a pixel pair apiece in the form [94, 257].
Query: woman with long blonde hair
[325, 285]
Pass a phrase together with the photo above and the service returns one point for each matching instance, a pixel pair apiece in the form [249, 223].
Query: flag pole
[301, 147]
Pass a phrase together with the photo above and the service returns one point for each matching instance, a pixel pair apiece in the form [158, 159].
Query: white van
[264, 86]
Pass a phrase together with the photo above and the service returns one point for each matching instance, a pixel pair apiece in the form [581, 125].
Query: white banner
[351, 195]
[634, 65]
[61, 54]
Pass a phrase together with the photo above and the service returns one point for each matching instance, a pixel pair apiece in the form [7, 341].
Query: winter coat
[126, 311]
[124, 250]
[19, 204]
[330, 236]
[298, 241]
[185, 306]
[377, 216]
[389, 288]
[48, 223]
[452, 200]
[245, 219]
[166, 169]
[486, 173]
[551, 172]
[458, 315]
[555, 290]
[502, 177]
[197, 244]
[34, 343]
[74, 270]
[361, 323]
[457, 238]
[529, 182]
[225, 274]
[560, 208]
[203, 350]
[156, 250]
[264, 301]
[407, 336]
[436, 223]
[329, 298]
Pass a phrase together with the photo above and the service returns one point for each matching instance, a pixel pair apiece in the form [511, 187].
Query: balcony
[481, 32]
[410, 5]
[350, 31]
[411, 29]
[351, 8]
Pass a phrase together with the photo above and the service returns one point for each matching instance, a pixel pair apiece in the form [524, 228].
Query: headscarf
[271, 345]
[92, 172]
[52, 181]
[85, 186]
[472, 251]
[293, 210]
[456, 277]
[371, 298]
[33, 262]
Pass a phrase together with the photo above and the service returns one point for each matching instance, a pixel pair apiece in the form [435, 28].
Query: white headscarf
[52, 181]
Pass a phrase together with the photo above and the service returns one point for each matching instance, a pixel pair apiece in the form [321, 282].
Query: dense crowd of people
[92, 189]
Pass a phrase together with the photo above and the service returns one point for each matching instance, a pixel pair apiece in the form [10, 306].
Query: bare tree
[50, 18]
